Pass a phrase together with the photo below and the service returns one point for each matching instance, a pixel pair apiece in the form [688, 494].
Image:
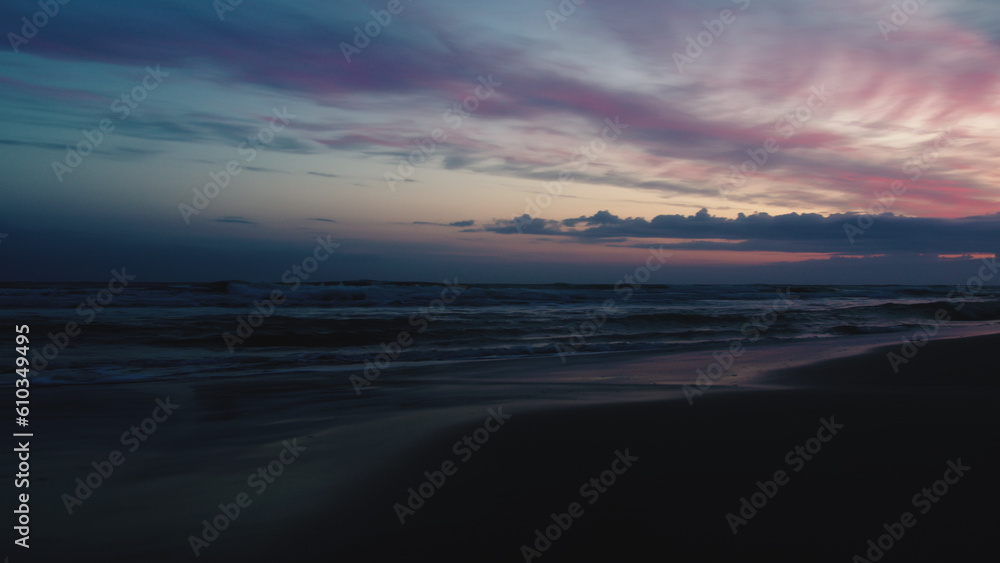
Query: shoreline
[362, 454]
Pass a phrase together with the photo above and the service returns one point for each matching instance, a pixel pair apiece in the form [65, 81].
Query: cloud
[36, 144]
[793, 232]
[525, 224]
[262, 169]
[233, 219]
[599, 218]
[467, 223]
[683, 128]
[115, 152]
[325, 175]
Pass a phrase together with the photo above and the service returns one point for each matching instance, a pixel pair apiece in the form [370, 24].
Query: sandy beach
[498, 456]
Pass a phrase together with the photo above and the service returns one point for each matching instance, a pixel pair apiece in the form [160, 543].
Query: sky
[520, 142]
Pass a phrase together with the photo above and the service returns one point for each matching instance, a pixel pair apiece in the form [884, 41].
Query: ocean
[84, 332]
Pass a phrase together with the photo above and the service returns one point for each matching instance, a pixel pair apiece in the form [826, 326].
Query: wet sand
[358, 456]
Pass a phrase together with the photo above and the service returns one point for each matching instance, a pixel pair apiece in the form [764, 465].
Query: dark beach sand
[695, 462]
